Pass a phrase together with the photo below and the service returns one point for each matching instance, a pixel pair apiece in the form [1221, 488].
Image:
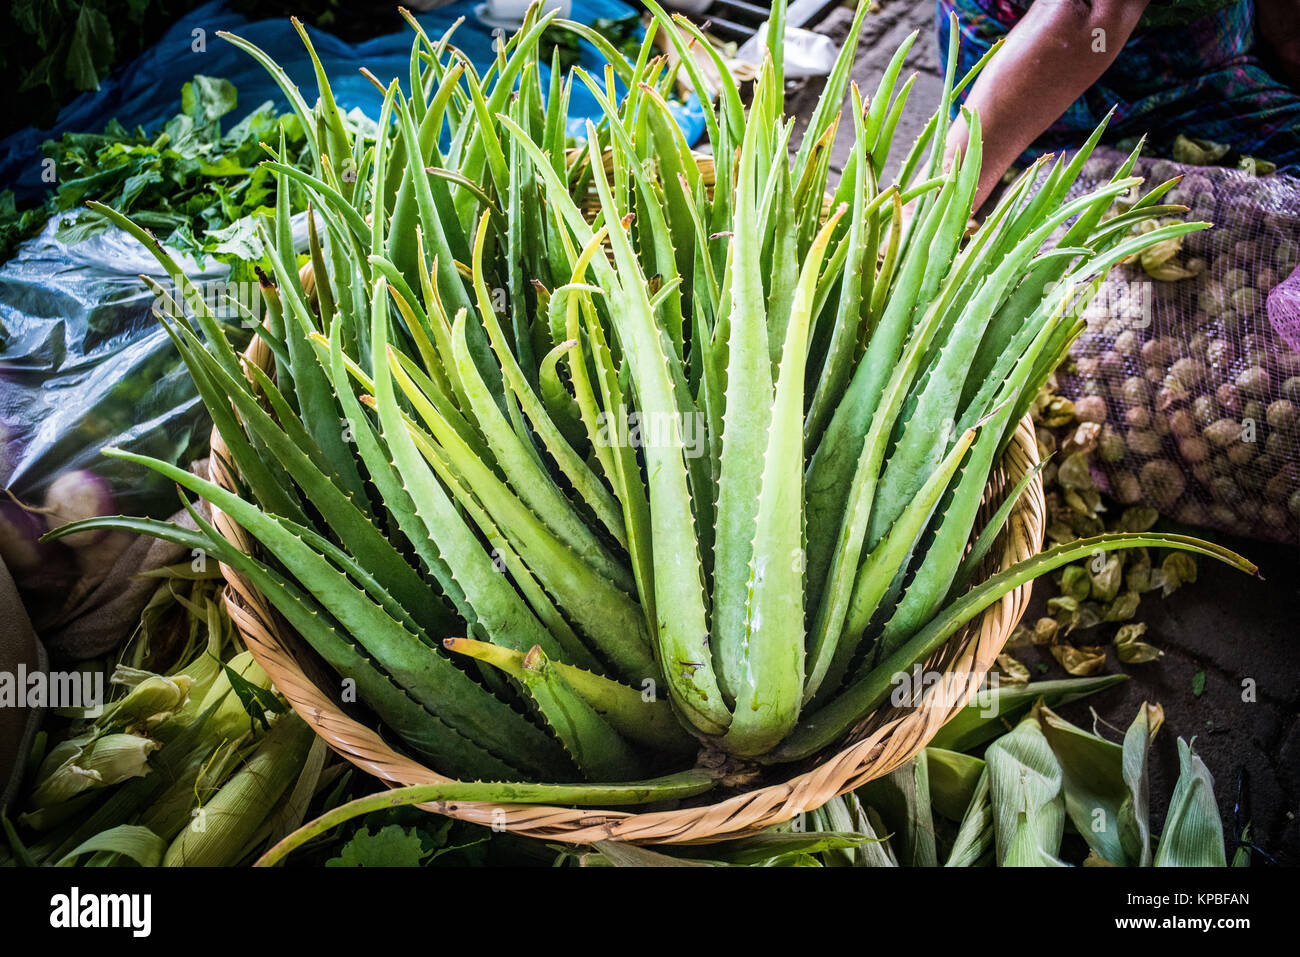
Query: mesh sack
[1190, 363]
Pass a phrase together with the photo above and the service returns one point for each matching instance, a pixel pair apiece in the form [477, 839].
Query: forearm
[1048, 60]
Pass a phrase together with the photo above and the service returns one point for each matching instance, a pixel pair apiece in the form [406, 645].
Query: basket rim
[886, 739]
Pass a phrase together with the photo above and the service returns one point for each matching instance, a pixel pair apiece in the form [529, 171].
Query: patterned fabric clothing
[1199, 77]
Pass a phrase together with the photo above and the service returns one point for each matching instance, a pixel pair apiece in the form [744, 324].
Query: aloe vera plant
[577, 459]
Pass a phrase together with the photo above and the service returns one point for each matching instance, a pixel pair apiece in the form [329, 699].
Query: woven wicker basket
[880, 744]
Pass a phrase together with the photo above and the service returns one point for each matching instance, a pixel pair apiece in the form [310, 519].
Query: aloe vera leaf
[588, 486]
[770, 685]
[560, 404]
[781, 275]
[599, 751]
[602, 610]
[524, 47]
[833, 93]
[342, 511]
[622, 467]
[287, 87]
[839, 356]
[553, 138]
[682, 625]
[1048, 310]
[937, 404]
[480, 589]
[268, 483]
[638, 715]
[663, 255]
[563, 310]
[486, 134]
[348, 271]
[419, 88]
[430, 337]
[992, 355]
[702, 89]
[449, 283]
[679, 786]
[991, 530]
[810, 189]
[557, 564]
[831, 581]
[746, 421]
[534, 486]
[190, 293]
[288, 419]
[311, 386]
[885, 274]
[400, 185]
[932, 580]
[832, 565]
[857, 701]
[879, 105]
[880, 568]
[334, 199]
[337, 142]
[1070, 173]
[428, 399]
[523, 256]
[453, 176]
[430, 679]
[1039, 278]
[831, 468]
[775, 43]
[730, 106]
[944, 112]
[508, 557]
[923, 139]
[926, 436]
[1120, 227]
[611, 53]
[324, 292]
[420, 728]
[396, 499]
[525, 471]
[381, 154]
[447, 395]
[679, 173]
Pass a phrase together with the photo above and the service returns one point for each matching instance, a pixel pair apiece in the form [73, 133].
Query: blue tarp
[146, 92]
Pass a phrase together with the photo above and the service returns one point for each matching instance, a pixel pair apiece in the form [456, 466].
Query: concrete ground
[1239, 633]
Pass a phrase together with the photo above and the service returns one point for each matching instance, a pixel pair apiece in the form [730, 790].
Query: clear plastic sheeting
[84, 364]
[1189, 365]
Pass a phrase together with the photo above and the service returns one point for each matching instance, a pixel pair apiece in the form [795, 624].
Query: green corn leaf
[1193, 832]
[1025, 787]
[1135, 813]
[974, 841]
[1094, 787]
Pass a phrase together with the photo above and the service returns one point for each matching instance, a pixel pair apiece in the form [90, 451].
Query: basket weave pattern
[882, 743]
